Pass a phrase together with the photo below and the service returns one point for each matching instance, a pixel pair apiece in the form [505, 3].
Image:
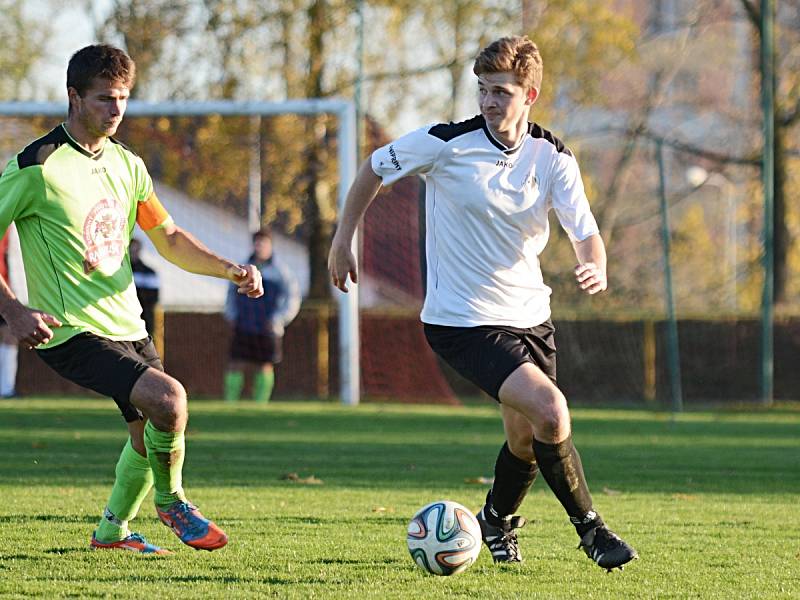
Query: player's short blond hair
[515, 53]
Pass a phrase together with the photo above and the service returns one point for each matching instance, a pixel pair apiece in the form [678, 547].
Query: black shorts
[256, 348]
[105, 366]
[488, 354]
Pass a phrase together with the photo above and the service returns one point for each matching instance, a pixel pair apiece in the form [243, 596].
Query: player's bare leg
[530, 392]
[136, 432]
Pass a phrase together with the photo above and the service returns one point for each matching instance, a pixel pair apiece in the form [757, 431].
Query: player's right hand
[248, 280]
[31, 327]
[342, 263]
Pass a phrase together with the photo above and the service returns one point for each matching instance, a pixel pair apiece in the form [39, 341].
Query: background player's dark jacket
[270, 313]
[147, 287]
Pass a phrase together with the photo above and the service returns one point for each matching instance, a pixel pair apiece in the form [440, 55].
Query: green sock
[262, 386]
[233, 384]
[134, 480]
[165, 451]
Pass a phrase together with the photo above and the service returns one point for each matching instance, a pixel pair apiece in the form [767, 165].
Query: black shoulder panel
[448, 131]
[32, 153]
[537, 131]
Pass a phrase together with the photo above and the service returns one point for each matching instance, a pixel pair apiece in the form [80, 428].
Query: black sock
[513, 477]
[561, 467]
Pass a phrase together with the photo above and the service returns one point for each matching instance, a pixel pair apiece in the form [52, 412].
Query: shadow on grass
[62, 551]
[352, 561]
[20, 519]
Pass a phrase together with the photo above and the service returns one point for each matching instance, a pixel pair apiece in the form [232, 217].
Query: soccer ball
[444, 538]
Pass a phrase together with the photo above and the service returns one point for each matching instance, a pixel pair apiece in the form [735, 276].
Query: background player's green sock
[134, 480]
[233, 384]
[262, 386]
[165, 451]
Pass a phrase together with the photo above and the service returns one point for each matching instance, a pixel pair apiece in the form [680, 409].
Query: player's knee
[172, 414]
[176, 397]
[554, 416]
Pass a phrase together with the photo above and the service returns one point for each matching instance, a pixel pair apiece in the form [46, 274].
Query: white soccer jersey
[486, 216]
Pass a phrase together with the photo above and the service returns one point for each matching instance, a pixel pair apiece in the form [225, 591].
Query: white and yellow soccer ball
[444, 538]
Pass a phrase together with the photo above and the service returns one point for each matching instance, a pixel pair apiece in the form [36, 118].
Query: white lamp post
[698, 177]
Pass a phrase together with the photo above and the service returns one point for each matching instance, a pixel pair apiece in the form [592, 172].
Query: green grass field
[710, 501]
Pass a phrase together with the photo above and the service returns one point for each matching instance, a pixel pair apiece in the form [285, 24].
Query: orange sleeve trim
[151, 213]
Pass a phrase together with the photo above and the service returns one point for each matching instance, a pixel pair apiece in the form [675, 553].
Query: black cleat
[502, 541]
[606, 548]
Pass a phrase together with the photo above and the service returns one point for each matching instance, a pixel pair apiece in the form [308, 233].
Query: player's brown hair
[99, 61]
[515, 53]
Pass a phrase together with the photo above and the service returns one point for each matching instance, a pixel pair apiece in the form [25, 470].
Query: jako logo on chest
[98, 170]
[506, 164]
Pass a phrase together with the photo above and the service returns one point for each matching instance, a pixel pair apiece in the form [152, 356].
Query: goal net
[224, 169]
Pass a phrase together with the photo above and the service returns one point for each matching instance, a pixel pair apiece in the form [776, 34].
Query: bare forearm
[341, 260]
[590, 272]
[181, 248]
[361, 194]
[591, 250]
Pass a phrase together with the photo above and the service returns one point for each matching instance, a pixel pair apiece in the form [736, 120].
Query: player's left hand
[591, 278]
[248, 278]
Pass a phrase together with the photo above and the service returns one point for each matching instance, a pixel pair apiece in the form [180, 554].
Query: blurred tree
[688, 68]
[24, 40]
[577, 38]
[151, 32]
[786, 63]
[675, 85]
[304, 48]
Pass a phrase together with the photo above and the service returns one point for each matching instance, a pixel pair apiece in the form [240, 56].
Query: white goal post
[344, 110]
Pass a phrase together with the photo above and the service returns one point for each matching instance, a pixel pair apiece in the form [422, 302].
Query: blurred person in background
[258, 324]
[147, 285]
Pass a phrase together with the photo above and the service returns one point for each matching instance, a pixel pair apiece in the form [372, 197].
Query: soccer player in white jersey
[490, 183]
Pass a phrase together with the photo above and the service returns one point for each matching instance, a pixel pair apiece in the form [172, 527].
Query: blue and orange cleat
[191, 527]
[133, 543]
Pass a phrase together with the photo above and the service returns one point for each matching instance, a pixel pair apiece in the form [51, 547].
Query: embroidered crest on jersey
[103, 232]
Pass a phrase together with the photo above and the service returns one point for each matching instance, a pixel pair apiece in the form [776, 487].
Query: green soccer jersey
[75, 212]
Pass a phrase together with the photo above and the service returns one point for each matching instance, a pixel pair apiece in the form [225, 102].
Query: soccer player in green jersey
[75, 195]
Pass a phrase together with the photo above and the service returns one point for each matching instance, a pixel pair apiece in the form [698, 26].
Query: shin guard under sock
[134, 478]
[561, 467]
[165, 452]
[513, 477]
